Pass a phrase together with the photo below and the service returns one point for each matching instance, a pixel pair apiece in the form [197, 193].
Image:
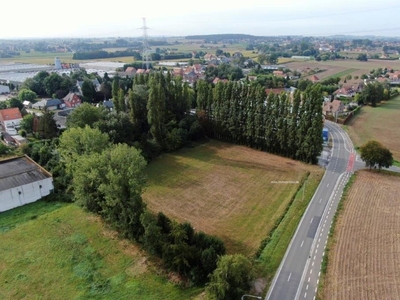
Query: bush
[22, 133]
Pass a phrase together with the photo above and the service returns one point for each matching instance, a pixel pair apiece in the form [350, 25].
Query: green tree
[156, 111]
[27, 123]
[14, 102]
[26, 94]
[122, 186]
[375, 154]
[85, 114]
[362, 57]
[88, 90]
[231, 279]
[47, 127]
[76, 142]
[52, 83]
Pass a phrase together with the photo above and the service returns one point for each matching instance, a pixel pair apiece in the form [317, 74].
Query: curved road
[299, 271]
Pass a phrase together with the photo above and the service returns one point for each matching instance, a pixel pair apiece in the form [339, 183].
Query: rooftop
[20, 171]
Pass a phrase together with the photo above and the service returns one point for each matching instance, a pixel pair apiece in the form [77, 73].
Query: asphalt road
[298, 274]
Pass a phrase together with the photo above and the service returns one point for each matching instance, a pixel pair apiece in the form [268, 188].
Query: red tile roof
[10, 114]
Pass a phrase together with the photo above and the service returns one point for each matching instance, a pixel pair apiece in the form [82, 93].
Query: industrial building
[22, 181]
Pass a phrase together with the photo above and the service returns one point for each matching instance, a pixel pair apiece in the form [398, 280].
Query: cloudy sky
[88, 18]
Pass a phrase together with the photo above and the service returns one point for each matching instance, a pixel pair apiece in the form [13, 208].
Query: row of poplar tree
[286, 124]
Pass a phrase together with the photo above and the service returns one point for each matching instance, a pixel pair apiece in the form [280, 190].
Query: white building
[57, 63]
[10, 120]
[4, 89]
[22, 181]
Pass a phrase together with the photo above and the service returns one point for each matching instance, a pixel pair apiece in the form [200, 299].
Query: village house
[10, 120]
[333, 108]
[72, 100]
[49, 104]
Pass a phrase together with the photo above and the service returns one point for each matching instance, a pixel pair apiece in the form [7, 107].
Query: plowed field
[364, 262]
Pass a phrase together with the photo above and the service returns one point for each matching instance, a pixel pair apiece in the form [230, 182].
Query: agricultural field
[364, 260]
[35, 57]
[233, 192]
[379, 123]
[51, 250]
[341, 68]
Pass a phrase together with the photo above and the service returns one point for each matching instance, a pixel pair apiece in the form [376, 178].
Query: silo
[57, 63]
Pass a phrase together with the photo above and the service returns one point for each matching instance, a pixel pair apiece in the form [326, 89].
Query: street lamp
[251, 296]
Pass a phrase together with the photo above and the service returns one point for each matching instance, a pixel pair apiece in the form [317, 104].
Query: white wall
[4, 89]
[29, 193]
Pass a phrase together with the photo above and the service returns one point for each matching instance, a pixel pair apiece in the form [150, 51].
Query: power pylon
[146, 58]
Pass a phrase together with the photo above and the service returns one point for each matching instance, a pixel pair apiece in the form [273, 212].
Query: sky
[121, 18]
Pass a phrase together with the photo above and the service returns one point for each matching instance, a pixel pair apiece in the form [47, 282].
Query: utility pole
[145, 48]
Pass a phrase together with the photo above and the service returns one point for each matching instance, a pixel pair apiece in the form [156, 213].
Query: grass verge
[274, 250]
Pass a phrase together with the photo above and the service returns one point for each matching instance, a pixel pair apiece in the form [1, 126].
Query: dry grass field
[380, 123]
[364, 261]
[234, 192]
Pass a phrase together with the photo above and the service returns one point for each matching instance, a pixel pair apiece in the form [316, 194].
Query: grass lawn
[234, 192]
[57, 251]
[380, 123]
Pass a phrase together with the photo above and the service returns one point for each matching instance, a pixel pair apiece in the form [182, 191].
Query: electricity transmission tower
[146, 58]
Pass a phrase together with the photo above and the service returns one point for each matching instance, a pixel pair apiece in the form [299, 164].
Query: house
[10, 120]
[210, 57]
[130, 70]
[279, 73]
[335, 107]
[27, 104]
[314, 79]
[107, 104]
[22, 181]
[49, 104]
[4, 89]
[216, 80]
[394, 76]
[345, 91]
[72, 100]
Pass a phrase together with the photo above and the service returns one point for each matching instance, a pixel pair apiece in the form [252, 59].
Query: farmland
[364, 261]
[380, 123]
[230, 191]
[340, 68]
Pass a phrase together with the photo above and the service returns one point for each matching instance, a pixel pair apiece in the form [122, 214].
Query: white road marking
[320, 200]
[311, 272]
[312, 264]
[302, 244]
[317, 246]
[307, 287]
[305, 295]
[309, 278]
[311, 220]
[290, 275]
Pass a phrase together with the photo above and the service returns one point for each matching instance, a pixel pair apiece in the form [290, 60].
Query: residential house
[279, 73]
[27, 104]
[10, 120]
[49, 104]
[130, 70]
[334, 108]
[394, 76]
[107, 104]
[210, 57]
[216, 80]
[314, 79]
[345, 91]
[72, 100]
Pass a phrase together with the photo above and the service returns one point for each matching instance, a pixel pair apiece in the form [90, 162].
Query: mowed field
[364, 261]
[341, 68]
[58, 251]
[230, 191]
[379, 123]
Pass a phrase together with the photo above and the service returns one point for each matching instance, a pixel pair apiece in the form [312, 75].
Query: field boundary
[342, 73]
[331, 240]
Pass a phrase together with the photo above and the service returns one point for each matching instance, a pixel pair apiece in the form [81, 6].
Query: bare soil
[364, 262]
